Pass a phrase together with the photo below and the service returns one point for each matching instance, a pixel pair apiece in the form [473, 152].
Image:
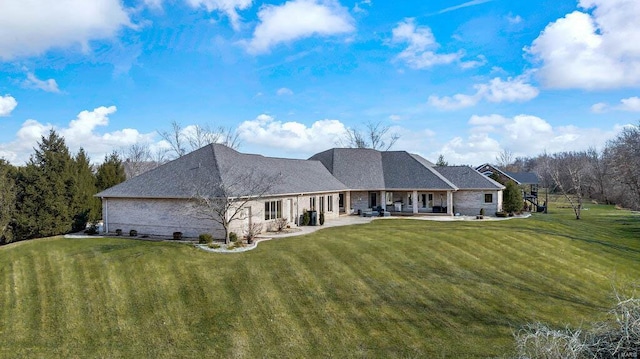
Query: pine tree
[45, 187]
[512, 201]
[7, 201]
[84, 206]
[110, 172]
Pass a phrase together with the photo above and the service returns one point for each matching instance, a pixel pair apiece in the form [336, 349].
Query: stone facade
[469, 203]
[162, 217]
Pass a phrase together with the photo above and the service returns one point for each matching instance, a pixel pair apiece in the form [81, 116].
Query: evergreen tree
[45, 187]
[7, 201]
[110, 172]
[84, 206]
[441, 162]
[512, 198]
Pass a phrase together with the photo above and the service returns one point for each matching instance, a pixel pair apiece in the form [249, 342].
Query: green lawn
[392, 288]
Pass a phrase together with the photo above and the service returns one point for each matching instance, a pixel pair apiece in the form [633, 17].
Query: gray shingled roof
[523, 177]
[367, 169]
[465, 177]
[215, 163]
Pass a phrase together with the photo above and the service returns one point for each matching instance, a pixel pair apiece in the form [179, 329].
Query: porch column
[347, 202]
[450, 203]
[414, 201]
[383, 200]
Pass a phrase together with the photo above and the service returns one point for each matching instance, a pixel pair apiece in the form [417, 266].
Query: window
[272, 210]
[341, 200]
[430, 199]
[312, 203]
[488, 198]
[389, 198]
[329, 203]
[321, 207]
[424, 200]
[410, 199]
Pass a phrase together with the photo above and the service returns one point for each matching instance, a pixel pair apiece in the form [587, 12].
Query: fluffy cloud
[524, 135]
[228, 7]
[421, 45]
[7, 104]
[49, 85]
[33, 27]
[298, 19]
[512, 90]
[80, 132]
[284, 92]
[597, 50]
[291, 136]
[631, 104]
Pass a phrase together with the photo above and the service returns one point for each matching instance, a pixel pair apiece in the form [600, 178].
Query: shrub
[213, 245]
[280, 224]
[118, 232]
[501, 214]
[233, 237]
[251, 231]
[482, 211]
[177, 235]
[133, 233]
[306, 218]
[205, 238]
[321, 219]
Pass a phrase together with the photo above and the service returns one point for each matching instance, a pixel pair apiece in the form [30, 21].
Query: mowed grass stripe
[392, 288]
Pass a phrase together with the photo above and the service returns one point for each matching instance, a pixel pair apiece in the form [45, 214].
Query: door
[373, 199]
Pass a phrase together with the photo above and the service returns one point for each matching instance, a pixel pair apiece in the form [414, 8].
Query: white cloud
[298, 19]
[284, 92]
[395, 118]
[525, 135]
[596, 50]
[80, 132]
[291, 136]
[496, 90]
[599, 107]
[514, 20]
[421, 45]
[630, 104]
[49, 85]
[7, 104]
[228, 7]
[33, 27]
[358, 6]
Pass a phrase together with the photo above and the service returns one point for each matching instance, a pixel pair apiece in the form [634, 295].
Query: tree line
[610, 175]
[54, 192]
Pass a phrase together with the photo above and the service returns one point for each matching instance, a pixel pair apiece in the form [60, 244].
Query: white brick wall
[469, 203]
[165, 216]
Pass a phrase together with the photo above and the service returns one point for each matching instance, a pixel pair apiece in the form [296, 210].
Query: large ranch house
[339, 181]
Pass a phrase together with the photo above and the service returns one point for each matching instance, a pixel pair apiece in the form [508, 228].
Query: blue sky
[463, 79]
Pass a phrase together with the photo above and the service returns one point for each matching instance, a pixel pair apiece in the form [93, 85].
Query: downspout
[105, 220]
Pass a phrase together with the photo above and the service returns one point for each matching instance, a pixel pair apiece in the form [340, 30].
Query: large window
[272, 210]
[312, 203]
[321, 207]
[329, 203]
[488, 198]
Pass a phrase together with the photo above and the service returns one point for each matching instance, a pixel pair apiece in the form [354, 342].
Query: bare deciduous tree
[376, 136]
[624, 162]
[504, 160]
[568, 171]
[224, 201]
[184, 140]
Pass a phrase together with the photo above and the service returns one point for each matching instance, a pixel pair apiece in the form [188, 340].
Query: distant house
[334, 182]
[528, 181]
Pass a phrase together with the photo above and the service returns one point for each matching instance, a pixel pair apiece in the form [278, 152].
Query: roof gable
[465, 177]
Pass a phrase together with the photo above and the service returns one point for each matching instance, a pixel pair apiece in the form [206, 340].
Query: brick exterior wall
[162, 217]
[469, 203]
